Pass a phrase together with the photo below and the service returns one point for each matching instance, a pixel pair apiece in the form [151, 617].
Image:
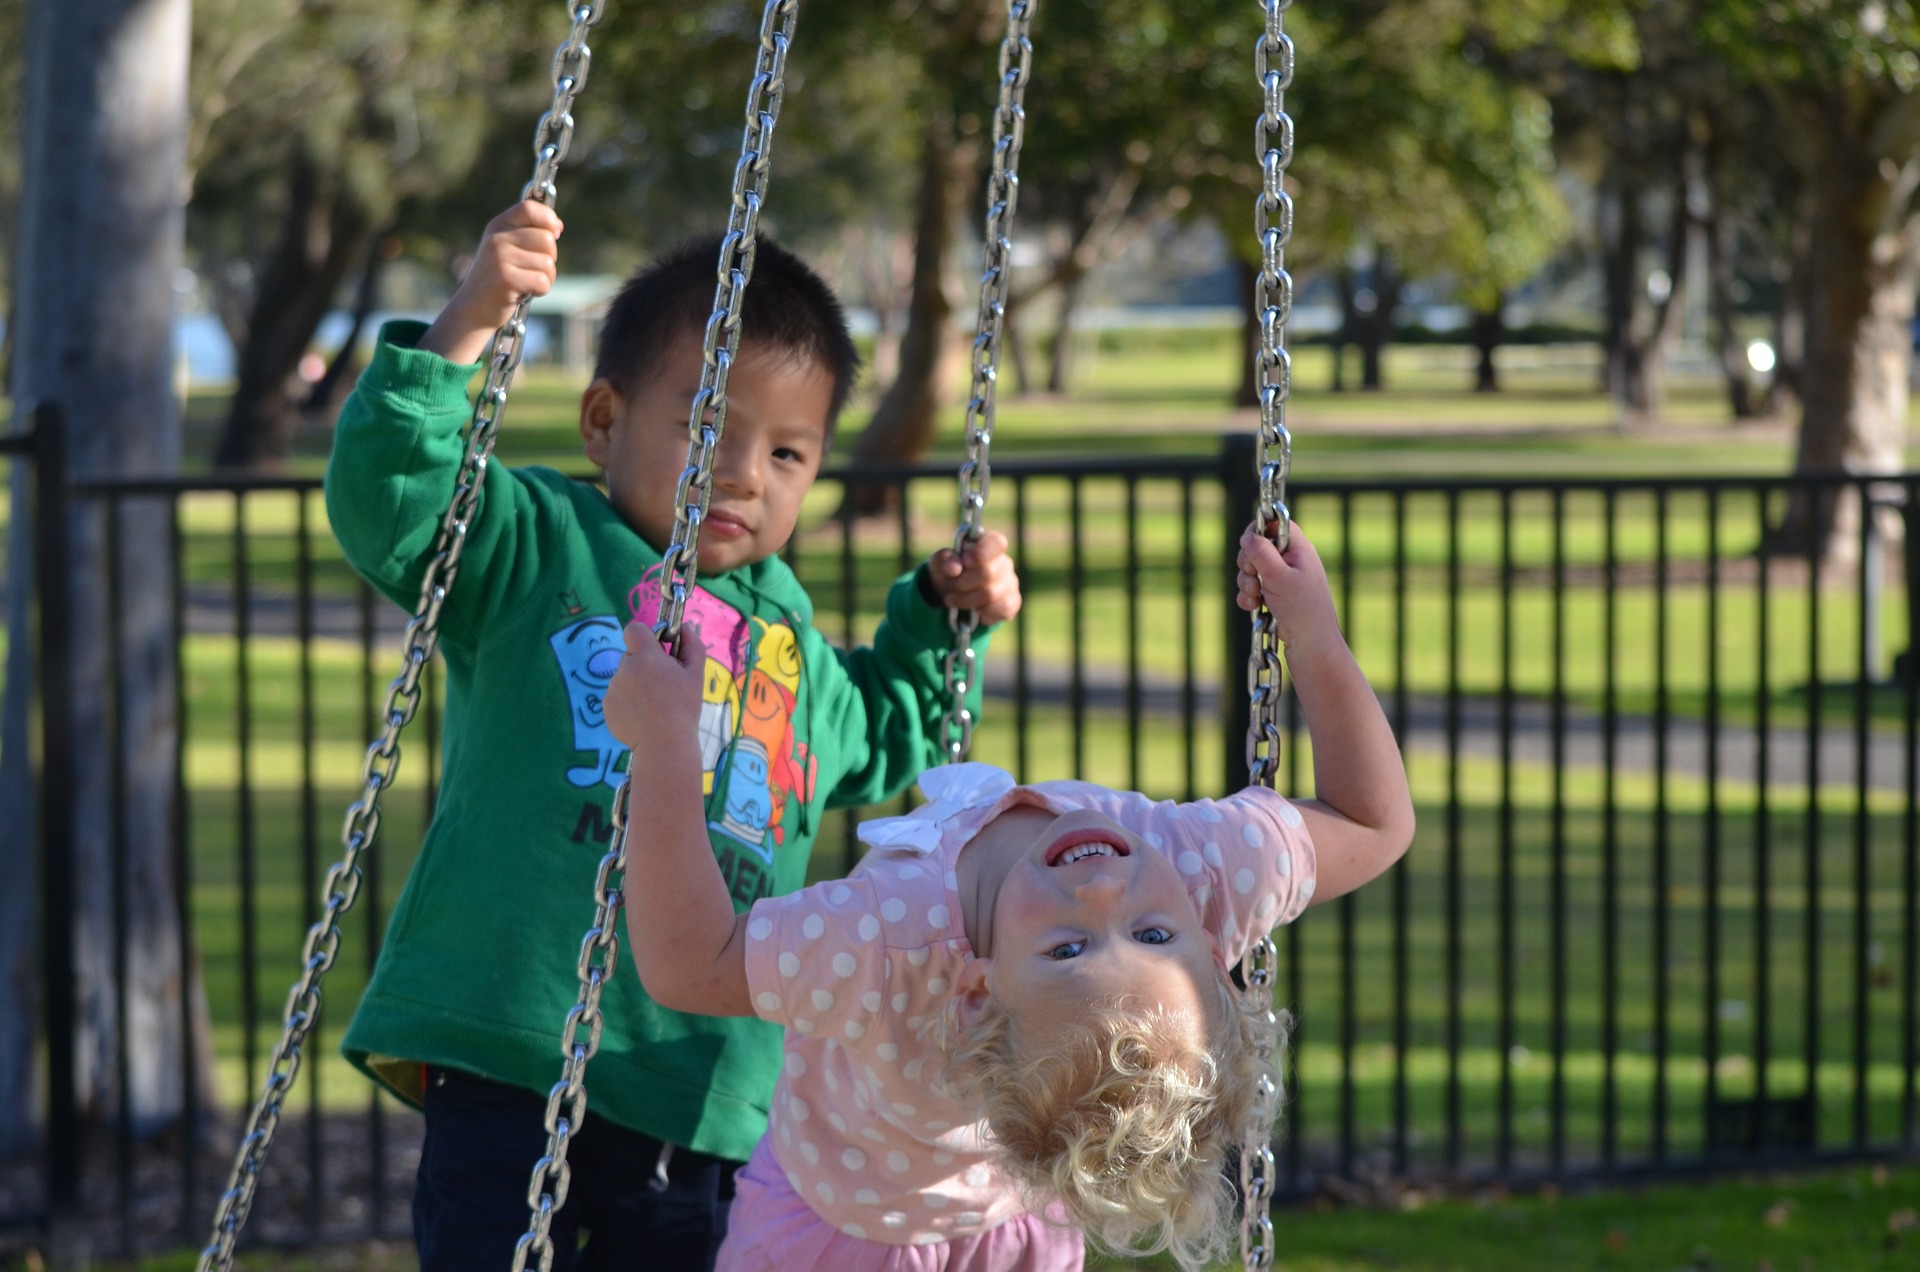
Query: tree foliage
[1843, 84]
[1416, 143]
[316, 124]
[12, 51]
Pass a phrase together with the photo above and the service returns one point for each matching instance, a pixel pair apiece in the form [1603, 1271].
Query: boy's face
[775, 441]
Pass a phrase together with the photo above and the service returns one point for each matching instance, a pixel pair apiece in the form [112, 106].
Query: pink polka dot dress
[854, 969]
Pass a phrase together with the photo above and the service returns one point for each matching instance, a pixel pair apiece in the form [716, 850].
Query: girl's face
[1088, 913]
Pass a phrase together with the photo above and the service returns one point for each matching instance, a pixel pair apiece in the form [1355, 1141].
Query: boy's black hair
[787, 306]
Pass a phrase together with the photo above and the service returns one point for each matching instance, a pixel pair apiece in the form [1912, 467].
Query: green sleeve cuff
[915, 615]
[411, 375]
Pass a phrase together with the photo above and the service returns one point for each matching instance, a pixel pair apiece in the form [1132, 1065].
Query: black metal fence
[1660, 915]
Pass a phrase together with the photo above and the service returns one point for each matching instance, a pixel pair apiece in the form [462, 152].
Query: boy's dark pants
[470, 1202]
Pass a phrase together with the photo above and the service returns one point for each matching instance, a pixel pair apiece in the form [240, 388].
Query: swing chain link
[1273, 300]
[420, 640]
[708, 418]
[1256, 1158]
[600, 948]
[1003, 194]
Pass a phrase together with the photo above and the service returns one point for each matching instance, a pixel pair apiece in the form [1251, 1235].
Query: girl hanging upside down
[1013, 1023]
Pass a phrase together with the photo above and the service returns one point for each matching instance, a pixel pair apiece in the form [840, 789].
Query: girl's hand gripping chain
[653, 704]
[687, 942]
[1358, 777]
[1293, 584]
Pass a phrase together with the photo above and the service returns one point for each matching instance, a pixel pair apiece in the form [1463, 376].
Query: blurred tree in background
[1431, 162]
[1437, 139]
[12, 54]
[314, 125]
[1843, 84]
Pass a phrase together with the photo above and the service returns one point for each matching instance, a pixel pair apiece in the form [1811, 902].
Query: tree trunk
[1790, 320]
[324, 232]
[1862, 274]
[1060, 359]
[1637, 348]
[1018, 348]
[1722, 252]
[1489, 332]
[1343, 334]
[100, 242]
[1373, 329]
[904, 423]
[333, 386]
[1094, 236]
[1621, 233]
[879, 258]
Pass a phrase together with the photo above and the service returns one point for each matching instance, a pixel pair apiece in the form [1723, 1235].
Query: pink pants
[770, 1229]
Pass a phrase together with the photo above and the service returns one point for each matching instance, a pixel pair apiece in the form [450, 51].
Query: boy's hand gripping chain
[1003, 193]
[1273, 298]
[600, 948]
[552, 138]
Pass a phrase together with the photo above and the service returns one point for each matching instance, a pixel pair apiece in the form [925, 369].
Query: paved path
[1636, 740]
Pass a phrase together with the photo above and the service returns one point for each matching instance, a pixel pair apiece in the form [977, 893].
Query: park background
[1593, 298]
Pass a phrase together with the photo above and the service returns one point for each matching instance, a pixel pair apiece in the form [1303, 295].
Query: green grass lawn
[1854, 1220]
[1838, 1222]
[1168, 393]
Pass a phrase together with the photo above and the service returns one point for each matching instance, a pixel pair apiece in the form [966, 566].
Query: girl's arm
[1362, 817]
[688, 943]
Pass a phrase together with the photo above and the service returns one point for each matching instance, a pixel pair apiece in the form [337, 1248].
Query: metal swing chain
[552, 139]
[600, 947]
[1003, 193]
[1273, 298]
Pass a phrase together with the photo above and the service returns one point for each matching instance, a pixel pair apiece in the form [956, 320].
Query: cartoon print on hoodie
[589, 652]
[748, 697]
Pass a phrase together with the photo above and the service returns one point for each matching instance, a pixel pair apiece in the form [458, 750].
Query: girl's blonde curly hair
[1127, 1118]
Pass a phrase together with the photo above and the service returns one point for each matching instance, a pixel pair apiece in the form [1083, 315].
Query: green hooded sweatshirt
[478, 968]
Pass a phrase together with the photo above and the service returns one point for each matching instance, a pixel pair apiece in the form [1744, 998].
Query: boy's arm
[519, 255]
[893, 694]
[397, 451]
[688, 944]
[886, 710]
[1361, 820]
[398, 446]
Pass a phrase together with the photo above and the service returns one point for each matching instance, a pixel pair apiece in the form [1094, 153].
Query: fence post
[53, 591]
[1240, 482]
[1908, 663]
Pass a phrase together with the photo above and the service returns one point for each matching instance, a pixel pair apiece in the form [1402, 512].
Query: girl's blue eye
[1066, 950]
[1153, 936]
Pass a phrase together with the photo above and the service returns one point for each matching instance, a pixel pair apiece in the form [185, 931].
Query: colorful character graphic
[589, 652]
[749, 807]
[719, 706]
[720, 625]
[746, 716]
[765, 766]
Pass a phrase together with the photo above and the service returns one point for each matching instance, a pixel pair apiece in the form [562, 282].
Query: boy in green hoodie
[477, 973]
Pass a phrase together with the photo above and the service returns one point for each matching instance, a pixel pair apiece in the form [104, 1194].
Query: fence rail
[1660, 915]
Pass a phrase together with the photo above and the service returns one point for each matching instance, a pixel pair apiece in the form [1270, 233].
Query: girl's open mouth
[1083, 844]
